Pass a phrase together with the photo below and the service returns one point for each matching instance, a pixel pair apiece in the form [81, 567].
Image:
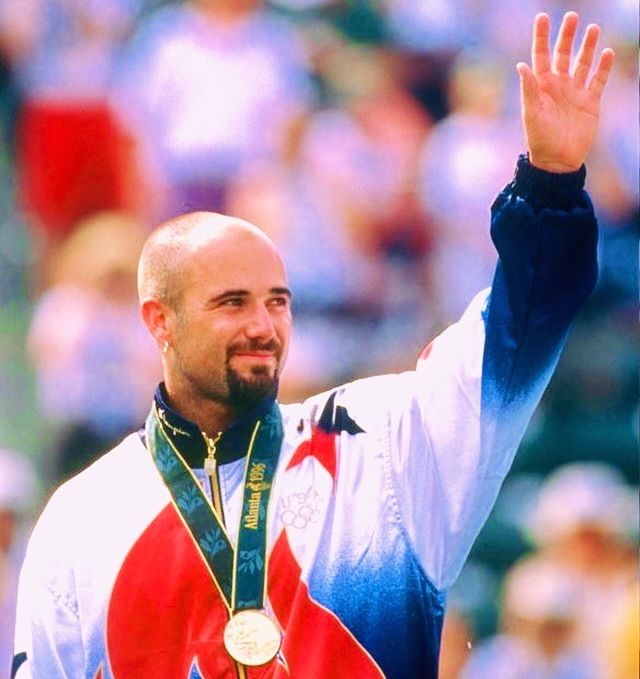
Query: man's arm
[543, 225]
[476, 388]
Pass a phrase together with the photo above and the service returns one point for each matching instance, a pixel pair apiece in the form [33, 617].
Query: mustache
[272, 346]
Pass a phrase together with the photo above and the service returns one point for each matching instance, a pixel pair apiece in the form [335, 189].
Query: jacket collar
[189, 439]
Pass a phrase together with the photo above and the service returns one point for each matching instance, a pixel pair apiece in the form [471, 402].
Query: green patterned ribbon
[241, 573]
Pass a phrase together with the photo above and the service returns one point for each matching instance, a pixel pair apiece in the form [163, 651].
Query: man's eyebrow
[245, 293]
[281, 291]
[228, 293]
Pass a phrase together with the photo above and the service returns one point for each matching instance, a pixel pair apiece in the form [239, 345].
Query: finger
[564, 43]
[585, 56]
[540, 44]
[528, 86]
[601, 75]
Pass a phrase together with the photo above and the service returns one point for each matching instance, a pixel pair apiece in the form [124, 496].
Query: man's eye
[233, 301]
[280, 301]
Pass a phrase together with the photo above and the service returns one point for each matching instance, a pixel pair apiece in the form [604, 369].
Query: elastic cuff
[542, 189]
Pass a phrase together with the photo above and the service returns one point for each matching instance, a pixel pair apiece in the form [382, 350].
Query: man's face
[231, 328]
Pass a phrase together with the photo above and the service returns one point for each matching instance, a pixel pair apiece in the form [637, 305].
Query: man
[240, 538]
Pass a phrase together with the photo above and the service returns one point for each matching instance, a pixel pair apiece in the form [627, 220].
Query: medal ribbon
[241, 573]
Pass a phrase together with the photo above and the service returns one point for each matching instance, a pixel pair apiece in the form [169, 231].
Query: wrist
[551, 166]
[542, 188]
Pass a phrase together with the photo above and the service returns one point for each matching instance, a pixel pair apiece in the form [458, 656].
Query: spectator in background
[18, 499]
[537, 638]
[586, 521]
[207, 85]
[565, 609]
[94, 361]
[71, 155]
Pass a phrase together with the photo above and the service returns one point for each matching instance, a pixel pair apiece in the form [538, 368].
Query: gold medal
[252, 638]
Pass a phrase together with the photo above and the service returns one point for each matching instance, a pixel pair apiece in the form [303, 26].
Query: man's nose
[260, 323]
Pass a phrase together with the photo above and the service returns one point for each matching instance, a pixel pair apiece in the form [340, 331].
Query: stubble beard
[231, 389]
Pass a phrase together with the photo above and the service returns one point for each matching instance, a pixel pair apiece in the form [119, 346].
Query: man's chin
[248, 390]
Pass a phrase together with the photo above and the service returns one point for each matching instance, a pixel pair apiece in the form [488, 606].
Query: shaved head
[165, 255]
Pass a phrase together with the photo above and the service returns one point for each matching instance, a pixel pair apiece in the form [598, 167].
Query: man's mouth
[256, 355]
[264, 353]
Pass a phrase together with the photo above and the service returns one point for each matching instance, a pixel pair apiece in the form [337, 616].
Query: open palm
[560, 108]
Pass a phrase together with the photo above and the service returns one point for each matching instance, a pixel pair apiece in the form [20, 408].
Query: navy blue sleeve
[545, 232]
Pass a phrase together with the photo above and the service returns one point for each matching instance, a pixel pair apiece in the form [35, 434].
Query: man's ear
[155, 316]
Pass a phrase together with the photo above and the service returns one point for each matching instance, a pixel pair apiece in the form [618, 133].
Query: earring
[165, 347]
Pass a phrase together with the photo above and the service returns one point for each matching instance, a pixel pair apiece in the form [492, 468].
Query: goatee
[247, 392]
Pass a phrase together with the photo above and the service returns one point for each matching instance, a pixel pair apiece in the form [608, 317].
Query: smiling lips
[258, 351]
[256, 355]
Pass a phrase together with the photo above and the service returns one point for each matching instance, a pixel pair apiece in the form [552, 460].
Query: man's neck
[209, 416]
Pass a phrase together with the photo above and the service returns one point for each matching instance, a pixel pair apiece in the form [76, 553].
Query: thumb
[528, 86]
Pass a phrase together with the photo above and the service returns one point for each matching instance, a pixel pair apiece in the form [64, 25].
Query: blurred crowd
[569, 604]
[368, 138]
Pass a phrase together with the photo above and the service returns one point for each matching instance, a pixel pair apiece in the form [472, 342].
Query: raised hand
[560, 105]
